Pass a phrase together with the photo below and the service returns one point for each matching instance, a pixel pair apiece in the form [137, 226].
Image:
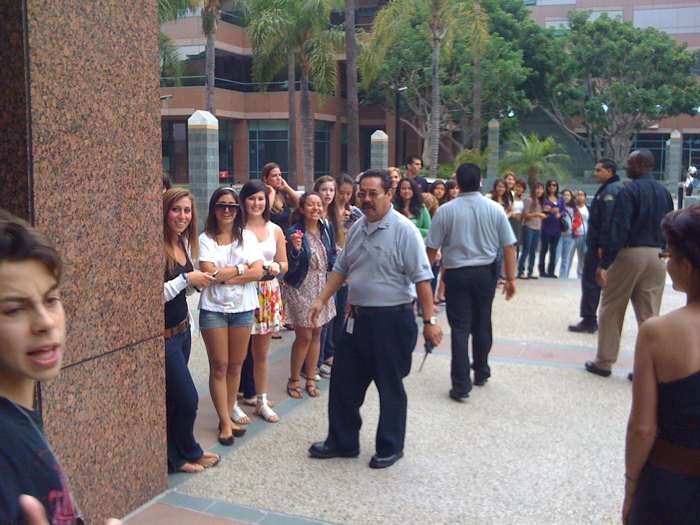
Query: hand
[630, 488]
[315, 309]
[200, 279]
[297, 236]
[432, 333]
[34, 513]
[601, 277]
[509, 289]
[274, 268]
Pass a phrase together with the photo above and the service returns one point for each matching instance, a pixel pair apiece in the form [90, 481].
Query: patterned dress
[299, 300]
[269, 317]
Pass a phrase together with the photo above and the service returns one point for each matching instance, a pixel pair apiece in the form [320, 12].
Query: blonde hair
[170, 197]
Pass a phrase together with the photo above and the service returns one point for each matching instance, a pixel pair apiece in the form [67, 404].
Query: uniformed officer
[598, 222]
[384, 257]
[630, 266]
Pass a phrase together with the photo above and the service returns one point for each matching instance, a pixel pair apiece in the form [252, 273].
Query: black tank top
[176, 308]
[679, 411]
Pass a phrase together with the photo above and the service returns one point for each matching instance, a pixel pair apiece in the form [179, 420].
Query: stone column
[81, 149]
[494, 132]
[203, 159]
[379, 152]
[674, 170]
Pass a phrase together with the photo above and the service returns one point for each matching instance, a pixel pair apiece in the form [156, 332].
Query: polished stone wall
[83, 144]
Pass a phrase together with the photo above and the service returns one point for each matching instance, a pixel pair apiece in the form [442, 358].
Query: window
[691, 150]
[268, 141]
[613, 15]
[556, 2]
[226, 175]
[672, 19]
[559, 23]
[322, 148]
[174, 149]
[656, 143]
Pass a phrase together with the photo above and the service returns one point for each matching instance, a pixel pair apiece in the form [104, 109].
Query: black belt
[358, 311]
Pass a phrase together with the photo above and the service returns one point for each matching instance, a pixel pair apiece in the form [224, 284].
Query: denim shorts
[208, 319]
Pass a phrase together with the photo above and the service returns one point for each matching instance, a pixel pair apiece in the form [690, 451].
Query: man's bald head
[639, 163]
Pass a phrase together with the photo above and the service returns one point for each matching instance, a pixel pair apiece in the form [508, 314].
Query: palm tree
[535, 157]
[352, 102]
[210, 15]
[168, 10]
[444, 18]
[279, 28]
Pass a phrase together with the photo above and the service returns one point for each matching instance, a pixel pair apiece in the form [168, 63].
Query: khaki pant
[637, 274]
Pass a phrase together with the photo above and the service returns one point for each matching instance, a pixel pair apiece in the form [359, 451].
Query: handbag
[563, 224]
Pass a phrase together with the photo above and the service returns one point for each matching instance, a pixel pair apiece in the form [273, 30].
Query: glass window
[556, 2]
[174, 149]
[322, 148]
[691, 150]
[226, 175]
[268, 141]
[672, 20]
[656, 143]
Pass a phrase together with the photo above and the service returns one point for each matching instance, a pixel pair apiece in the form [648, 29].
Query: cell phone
[214, 274]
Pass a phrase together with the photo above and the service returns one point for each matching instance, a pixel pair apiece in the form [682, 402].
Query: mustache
[367, 206]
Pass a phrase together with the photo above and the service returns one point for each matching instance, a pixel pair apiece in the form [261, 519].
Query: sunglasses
[224, 206]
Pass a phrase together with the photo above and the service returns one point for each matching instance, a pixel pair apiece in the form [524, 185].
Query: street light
[397, 125]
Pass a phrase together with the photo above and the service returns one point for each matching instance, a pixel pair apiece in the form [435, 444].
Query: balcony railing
[232, 85]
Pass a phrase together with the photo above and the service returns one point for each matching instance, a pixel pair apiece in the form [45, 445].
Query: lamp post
[397, 134]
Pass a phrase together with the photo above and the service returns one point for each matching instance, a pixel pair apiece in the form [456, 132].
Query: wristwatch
[240, 269]
[432, 321]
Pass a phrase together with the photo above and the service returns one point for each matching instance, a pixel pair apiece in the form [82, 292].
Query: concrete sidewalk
[542, 442]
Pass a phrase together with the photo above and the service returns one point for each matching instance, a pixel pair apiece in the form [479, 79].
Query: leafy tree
[536, 158]
[280, 28]
[170, 65]
[613, 79]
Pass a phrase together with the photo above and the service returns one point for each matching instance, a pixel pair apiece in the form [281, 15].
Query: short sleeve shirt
[470, 229]
[230, 298]
[383, 260]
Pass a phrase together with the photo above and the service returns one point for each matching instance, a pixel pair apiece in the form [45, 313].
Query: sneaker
[325, 371]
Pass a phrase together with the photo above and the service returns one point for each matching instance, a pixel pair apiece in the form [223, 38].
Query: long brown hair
[211, 227]
[333, 214]
[170, 197]
[278, 204]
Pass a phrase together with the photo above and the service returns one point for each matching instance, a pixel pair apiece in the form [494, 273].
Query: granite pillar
[81, 147]
[494, 131]
[203, 159]
[379, 150]
[674, 161]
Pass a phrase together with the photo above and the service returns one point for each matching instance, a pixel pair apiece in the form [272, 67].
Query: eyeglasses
[552, 184]
[664, 255]
[371, 194]
[225, 206]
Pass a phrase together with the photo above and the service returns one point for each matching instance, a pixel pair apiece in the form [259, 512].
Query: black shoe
[481, 381]
[239, 432]
[595, 369]
[378, 462]
[630, 376]
[458, 397]
[227, 442]
[584, 327]
[320, 450]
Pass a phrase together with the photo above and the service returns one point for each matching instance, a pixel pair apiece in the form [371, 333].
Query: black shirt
[602, 207]
[636, 220]
[28, 466]
[281, 218]
[176, 309]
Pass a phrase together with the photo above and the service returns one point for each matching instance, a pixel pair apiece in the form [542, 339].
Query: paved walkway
[541, 443]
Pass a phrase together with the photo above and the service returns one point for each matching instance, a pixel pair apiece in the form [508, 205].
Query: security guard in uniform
[598, 223]
[385, 264]
[631, 266]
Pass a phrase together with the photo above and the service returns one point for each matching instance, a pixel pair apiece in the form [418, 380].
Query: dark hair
[166, 182]
[434, 185]
[170, 197]
[416, 202]
[342, 179]
[333, 214]
[298, 217]
[449, 185]
[646, 159]
[546, 188]
[571, 203]
[19, 241]
[469, 177]
[411, 158]
[251, 188]
[211, 227]
[581, 191]
[506, 193]
[682, 231]
[267, 168]
[378, 173]
[608, 164]
[533, 193]
[521, 182]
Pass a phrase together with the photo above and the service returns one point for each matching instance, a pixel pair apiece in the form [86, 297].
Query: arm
[509, 263]
[333, 284]
[281, 250]
[173, 287]
[615, 225]
[432, 255]
[253, 272]
[432, 333]
[423, 222]
[291, 195]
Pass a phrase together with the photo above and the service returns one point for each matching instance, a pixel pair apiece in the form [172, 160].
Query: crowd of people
[348, 265]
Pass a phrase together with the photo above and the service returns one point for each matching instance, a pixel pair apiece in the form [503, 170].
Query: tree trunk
[307, 131]
[435, 109]
[292, 123]
[532, 176]
[353, 106]
[477, 90]
[210, 64]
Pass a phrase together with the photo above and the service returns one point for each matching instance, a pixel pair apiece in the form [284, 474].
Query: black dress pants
[379, 349]
[590, 291]
[469, 292]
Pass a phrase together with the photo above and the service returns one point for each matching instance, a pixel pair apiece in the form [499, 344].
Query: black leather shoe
[480, 381]
[595, 369]
[458, 397]
[320, 450]
[227, 442]
[378, 462]
[584, 327]
[630, 376]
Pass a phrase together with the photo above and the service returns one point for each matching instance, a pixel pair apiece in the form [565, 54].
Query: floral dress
[299, 300]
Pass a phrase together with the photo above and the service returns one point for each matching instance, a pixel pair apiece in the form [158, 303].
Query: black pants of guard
[469, 292]
[590, 291]
[379, 350]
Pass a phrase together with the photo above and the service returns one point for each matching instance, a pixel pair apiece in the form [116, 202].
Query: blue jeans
[568, 244]
[531, 239]
[181, 402]
[580, 255]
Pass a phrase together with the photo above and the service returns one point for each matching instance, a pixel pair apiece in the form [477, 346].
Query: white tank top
[269, 245]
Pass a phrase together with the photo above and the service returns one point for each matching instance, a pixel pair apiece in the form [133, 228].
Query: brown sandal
[191, 468]
[311, 388]
[293, 391]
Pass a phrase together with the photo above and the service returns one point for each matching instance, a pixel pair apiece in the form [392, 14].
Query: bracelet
[240, 269]
[628, 478]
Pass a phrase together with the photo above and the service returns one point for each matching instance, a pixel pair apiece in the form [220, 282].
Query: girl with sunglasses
[553, 208]
[233, 257]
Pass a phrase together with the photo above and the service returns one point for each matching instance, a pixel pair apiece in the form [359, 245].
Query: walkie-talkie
[428, 350]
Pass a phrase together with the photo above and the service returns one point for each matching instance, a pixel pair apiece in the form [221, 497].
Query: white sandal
[263, 410]
[239, 417]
